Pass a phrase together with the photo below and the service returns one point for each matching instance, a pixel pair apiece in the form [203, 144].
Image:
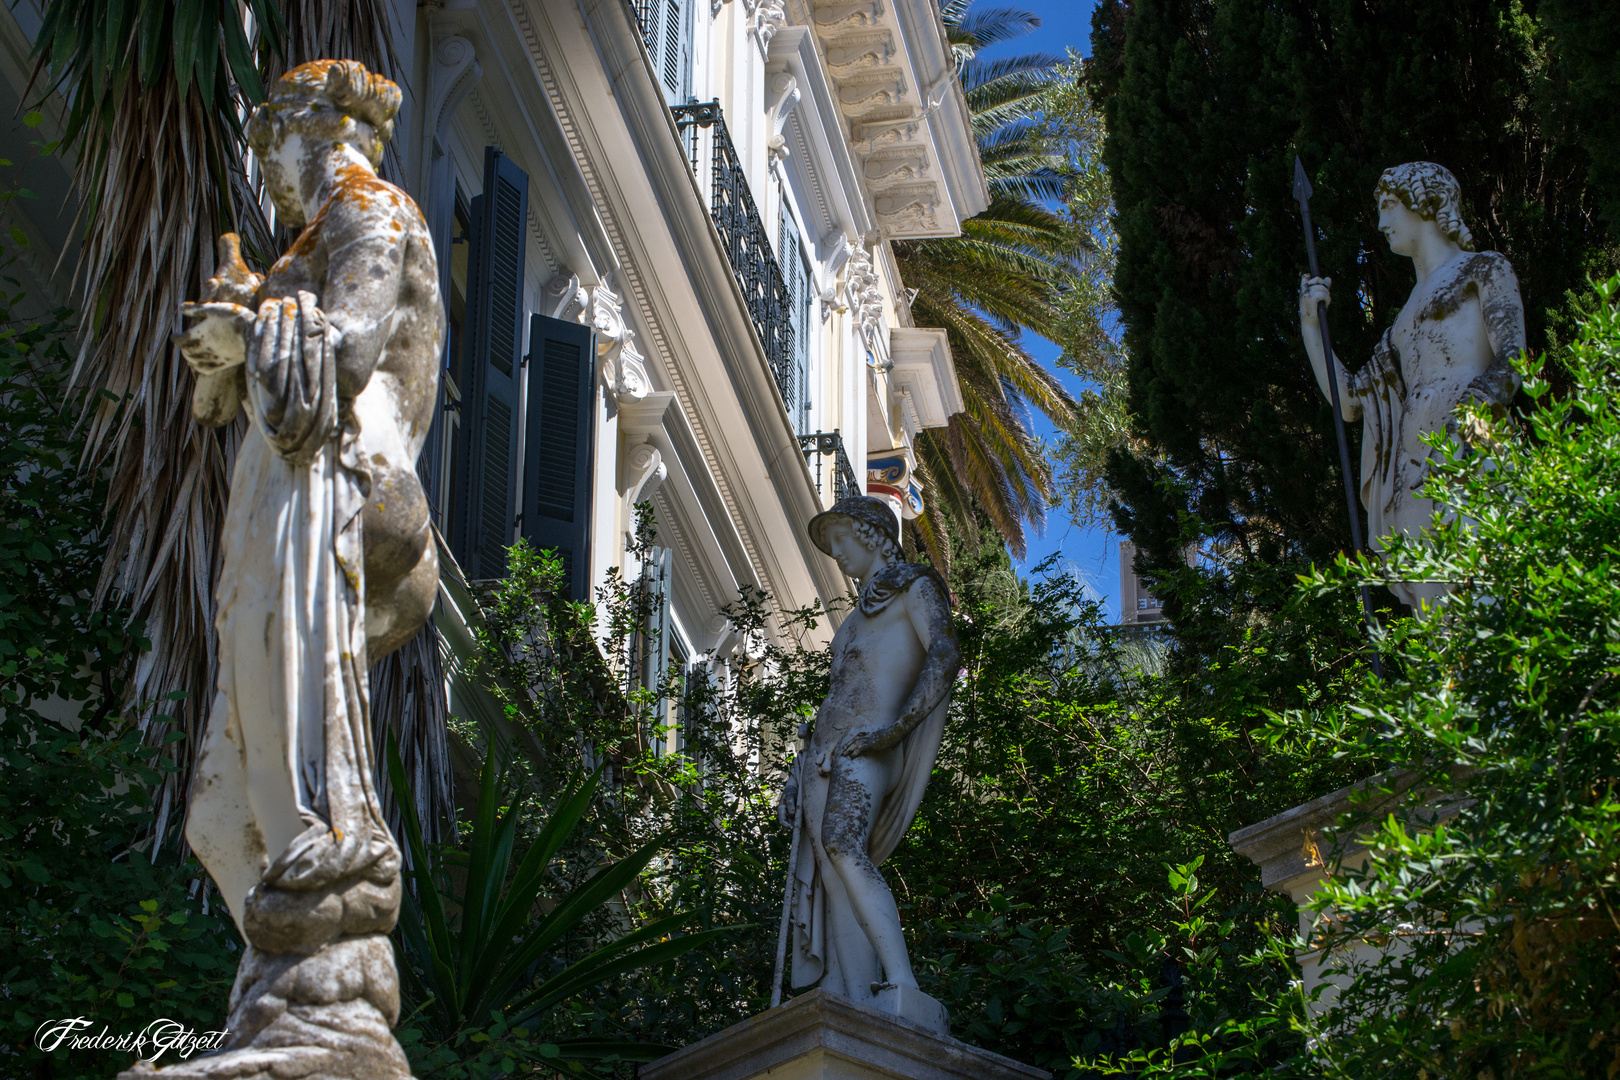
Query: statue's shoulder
[1487, 267]
[363, 200]
[899, 579]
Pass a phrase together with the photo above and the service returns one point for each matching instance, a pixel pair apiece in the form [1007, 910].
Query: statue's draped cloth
[814, 958]
[289, 736]
[1381, 392]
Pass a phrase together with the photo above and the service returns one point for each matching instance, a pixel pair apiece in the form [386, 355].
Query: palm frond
[1005, 274]
[984, 27]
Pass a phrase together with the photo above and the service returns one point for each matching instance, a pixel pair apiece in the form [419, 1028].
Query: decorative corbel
[765, 18]
[785, 96]
[623, 369]
[563, 298]
[643, 472]
[862, 294]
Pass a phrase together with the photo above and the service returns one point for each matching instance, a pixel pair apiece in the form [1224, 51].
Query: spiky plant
[985, 287]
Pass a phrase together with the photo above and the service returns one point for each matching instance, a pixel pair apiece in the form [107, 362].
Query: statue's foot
[348, 1041]
[912, 1005]
[326, 1016]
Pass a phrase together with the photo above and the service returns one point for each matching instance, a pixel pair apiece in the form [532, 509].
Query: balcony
[753, 261]
[829, 444]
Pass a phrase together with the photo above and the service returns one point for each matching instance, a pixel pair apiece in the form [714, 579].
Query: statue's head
[311, 108]
[1417, 192]
[860, 533]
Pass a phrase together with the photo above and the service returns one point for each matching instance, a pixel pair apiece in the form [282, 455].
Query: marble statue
[1454, 340]
[328, 563]
[856, 786]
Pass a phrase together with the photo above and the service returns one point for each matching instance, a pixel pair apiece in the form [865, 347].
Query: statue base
[822, 1036]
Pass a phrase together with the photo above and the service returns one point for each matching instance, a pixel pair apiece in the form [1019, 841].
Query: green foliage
[484, 954]
[1087, 320]
[1206, 104]
[90, 924]
[695, 831]
[984, 288]
[97, 48]
[1585, 62]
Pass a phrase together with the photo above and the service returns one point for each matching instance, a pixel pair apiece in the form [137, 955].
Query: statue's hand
[787, 807]
[861, 743]
[234, 283]
[217, 340]
[1313, 290]
[1495, 388]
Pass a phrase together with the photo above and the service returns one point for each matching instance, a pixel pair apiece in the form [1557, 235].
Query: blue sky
[1092, 553]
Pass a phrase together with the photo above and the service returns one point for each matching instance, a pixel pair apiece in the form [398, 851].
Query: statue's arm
[930, 615]
[219, 392]
[1500, 303]
[366, 238]
[1311, 291]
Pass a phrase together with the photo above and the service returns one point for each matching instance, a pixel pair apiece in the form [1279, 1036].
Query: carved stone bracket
[764, 19]
[910, 136]
[564, 299]
[641, 471]
[623, 368]
[862, 294]
[784, 98]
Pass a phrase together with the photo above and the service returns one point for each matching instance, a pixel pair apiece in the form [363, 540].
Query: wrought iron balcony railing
[825, 444]
[753, 262]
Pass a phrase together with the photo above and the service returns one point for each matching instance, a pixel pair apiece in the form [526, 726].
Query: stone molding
[827, 1037]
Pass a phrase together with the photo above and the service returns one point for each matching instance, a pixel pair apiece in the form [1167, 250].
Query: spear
[1302, 194]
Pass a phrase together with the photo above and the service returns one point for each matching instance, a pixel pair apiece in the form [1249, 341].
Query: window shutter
[557, 459]
[797, 279]
[486, 487]
[659, 569]
[669, 42]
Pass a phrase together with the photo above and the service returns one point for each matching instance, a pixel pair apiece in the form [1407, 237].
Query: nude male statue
[856, 788]
[1453, 340]
[327, 563]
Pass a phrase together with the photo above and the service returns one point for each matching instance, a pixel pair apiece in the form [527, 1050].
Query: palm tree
[157, 92]
[999, 278]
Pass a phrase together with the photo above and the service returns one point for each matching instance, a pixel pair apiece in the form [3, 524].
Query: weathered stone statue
[856, 787]
[1453, 340]
[328, 564]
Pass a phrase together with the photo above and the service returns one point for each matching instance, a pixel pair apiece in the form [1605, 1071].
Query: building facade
[663, 232]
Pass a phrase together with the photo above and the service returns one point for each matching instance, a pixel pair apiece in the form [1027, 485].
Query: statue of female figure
[327, 564]
[1454, 339]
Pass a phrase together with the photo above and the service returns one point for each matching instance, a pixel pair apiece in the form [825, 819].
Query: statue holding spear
[1453, 340]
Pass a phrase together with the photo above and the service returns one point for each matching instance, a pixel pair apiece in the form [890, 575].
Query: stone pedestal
[822, 1036]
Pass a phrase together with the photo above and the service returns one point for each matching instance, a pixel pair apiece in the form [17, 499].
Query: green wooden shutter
[486, 498]
[557, 455]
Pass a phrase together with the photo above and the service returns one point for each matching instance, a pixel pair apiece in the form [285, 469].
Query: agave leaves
[491, 962]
